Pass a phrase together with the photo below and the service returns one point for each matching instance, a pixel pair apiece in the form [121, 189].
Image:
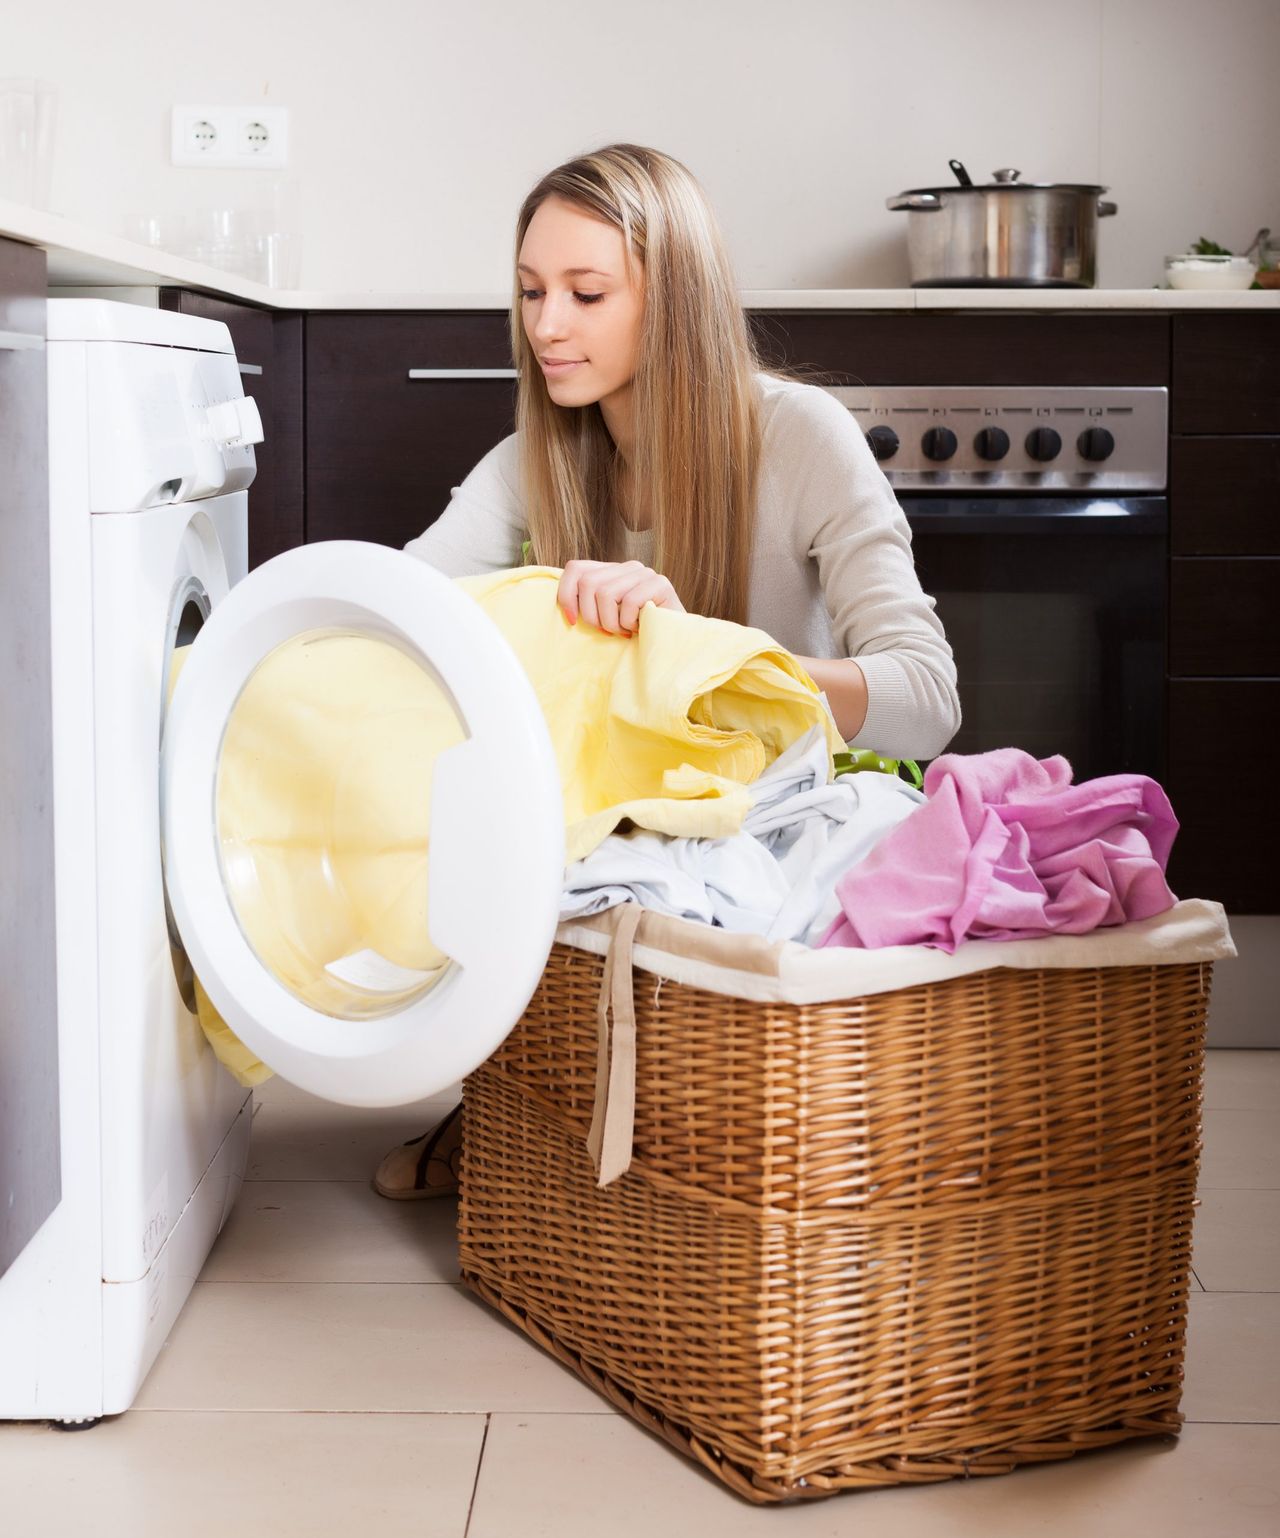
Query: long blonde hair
[697, 420]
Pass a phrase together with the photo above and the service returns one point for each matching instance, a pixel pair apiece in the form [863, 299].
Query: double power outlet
[230, 136]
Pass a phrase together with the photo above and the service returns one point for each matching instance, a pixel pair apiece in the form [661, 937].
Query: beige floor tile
[1242, 1081]
[1196, 1284]
[587, 1476]
[297, 1137]
[153, 1474]
[1237, 1241]
[334, 1231]
[335, 1346]
[1241, 1150]
[1233, 1358]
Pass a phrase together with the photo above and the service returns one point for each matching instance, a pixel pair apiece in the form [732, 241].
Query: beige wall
[418, 125]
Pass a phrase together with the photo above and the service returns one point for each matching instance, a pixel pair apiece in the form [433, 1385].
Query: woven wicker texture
[933, 1232]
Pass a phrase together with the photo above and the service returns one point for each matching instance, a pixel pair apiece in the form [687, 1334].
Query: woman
[657, 461]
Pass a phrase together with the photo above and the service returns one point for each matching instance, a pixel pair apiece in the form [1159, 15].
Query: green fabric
[858, 759]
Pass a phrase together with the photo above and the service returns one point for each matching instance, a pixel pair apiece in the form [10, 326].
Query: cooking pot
[1007, 234]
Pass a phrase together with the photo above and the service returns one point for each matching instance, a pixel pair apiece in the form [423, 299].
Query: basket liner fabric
[748, 967]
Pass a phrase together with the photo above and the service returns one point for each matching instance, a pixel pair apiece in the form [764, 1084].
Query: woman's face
[590, 318]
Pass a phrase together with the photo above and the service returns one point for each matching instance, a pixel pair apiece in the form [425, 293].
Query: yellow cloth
[324, 780]
[230, 1051]
[324, 812]
[666, 728]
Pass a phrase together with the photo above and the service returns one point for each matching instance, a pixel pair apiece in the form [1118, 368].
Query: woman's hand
[611, 594]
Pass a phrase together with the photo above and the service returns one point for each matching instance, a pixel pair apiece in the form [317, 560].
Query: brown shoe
[424, 1166]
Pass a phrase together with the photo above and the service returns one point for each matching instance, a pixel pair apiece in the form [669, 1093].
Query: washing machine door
[362, 822]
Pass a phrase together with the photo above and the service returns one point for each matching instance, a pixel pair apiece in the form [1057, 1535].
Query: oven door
[1055, 609]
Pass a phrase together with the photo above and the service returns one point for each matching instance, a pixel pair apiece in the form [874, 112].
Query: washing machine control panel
[236, 422]
[166, 424]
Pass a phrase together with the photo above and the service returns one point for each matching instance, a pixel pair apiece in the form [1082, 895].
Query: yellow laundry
[667, 728]
[324, 780]
[230, 1051]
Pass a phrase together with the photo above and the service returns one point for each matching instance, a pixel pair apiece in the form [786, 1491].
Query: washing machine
[151, 461]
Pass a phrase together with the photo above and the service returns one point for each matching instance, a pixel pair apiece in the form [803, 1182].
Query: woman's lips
[556, 368]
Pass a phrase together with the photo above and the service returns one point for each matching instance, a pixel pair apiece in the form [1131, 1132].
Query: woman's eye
[536, 293]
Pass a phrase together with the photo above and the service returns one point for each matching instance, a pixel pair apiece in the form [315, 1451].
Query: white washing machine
[150, 460]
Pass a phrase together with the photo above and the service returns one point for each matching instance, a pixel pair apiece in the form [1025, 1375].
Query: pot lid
[1007, 180]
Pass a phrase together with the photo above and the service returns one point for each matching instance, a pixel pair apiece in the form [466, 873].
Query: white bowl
[1193, 271]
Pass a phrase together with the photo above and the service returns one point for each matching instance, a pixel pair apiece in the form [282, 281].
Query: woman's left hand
[611, 594]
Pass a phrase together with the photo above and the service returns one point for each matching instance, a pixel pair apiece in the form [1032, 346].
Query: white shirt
[831, 567]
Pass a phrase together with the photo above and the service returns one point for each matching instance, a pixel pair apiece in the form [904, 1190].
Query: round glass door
[323, 812]
[362, 823]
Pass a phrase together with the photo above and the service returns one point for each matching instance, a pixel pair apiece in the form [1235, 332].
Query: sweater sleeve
[483, 527]
[859, 537]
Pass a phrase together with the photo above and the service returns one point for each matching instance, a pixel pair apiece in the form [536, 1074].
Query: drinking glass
[27, 112]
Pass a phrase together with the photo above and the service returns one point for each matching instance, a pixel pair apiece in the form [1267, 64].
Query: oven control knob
[883, 441]
[1095, 443]
[992, 443]
[938, 443]
[1043, 444]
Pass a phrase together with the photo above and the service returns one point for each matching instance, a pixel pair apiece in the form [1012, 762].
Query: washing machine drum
[362, 823]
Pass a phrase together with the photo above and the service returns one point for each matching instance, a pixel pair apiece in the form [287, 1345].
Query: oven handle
[1044, 516]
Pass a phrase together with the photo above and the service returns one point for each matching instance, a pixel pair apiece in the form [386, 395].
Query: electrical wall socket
[230, 136]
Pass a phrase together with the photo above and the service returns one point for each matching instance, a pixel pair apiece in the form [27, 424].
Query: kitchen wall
[418, 125]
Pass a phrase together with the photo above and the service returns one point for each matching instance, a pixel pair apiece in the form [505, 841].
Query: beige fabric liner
[749, 967]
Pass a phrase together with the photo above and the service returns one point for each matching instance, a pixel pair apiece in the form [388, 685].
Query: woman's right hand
[611, 594]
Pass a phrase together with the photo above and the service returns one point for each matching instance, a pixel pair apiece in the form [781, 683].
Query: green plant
[1205, 247]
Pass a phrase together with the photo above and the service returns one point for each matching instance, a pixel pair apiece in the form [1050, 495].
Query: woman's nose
[552, 318]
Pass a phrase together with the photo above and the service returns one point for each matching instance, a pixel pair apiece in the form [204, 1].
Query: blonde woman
[658, 462]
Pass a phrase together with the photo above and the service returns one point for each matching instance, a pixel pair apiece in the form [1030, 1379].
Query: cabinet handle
[249, 368]
[20, 341]
[462, 373]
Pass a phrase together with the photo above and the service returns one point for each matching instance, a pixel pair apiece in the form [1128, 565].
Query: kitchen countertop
[84, 257]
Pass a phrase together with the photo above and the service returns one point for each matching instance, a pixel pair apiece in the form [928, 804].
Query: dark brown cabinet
[1222, 749]
[1222, 614]
[30, 1156]
[384, 448]
[1225, 378]
[935, 348]
[1224, 496]
[1224, 596]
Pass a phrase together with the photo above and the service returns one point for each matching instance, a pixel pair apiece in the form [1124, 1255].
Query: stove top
[1000, 439]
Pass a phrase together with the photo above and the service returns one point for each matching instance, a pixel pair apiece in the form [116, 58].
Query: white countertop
[83, 257]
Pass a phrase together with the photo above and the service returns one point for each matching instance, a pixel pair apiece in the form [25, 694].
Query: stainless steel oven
[1040, 526]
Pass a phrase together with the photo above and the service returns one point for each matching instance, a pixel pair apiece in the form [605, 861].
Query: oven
[1039, 525]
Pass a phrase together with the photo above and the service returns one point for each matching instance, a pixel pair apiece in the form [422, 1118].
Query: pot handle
[1104, 209]
[917, 202]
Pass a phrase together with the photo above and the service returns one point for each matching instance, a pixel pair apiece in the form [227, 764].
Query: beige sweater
[831, 570]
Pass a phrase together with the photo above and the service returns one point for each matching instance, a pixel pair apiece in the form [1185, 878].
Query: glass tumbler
[27, 112]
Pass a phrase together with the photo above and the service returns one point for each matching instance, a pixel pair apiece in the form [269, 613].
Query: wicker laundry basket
[941, 1230]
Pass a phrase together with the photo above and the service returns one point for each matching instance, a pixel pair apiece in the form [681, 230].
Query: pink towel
[1007, 848]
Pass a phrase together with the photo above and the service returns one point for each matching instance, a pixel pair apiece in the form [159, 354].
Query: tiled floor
[329, 1376]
